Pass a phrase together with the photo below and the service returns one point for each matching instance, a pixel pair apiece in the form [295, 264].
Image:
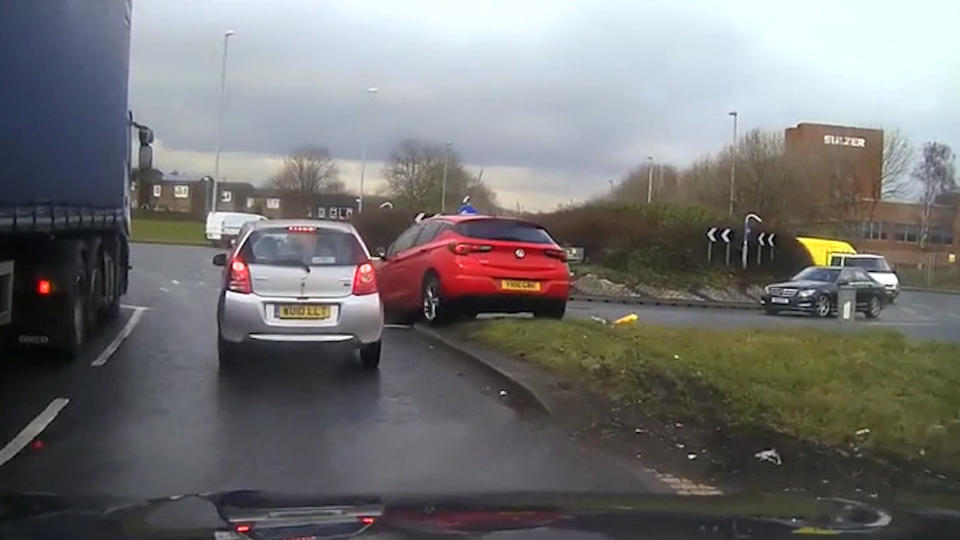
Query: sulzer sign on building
[841, 140]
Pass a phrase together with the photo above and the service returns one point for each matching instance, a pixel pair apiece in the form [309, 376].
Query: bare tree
[414, 175]
[898, 154]
[309, 169]
[935, 173]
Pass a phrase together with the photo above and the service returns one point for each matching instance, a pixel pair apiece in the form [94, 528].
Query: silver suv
[299, 281]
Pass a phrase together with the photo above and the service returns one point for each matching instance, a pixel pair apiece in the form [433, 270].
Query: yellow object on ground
[627, 319]
[821, 249]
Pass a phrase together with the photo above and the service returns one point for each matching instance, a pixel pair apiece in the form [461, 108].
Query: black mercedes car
[814, 290]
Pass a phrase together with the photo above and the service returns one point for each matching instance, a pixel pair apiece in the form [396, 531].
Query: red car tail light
[459, 248]
[44, 287]
[556, 254]
[240, 277]
[364, 280]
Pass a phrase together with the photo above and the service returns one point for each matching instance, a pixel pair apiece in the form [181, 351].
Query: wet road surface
[159, 417]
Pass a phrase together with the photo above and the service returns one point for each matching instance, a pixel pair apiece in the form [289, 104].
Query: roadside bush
[652, 241]
[380, 226]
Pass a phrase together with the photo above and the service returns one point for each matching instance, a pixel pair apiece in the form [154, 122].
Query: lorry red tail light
[556, 254]
[459, 248]
[44, 287]
[240, 277]
[364, 280]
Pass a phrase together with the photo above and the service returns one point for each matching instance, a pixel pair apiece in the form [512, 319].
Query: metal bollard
[847, 303]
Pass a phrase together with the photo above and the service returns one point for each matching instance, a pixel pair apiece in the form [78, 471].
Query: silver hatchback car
[299, 281]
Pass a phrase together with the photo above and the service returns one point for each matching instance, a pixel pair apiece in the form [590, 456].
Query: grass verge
[168, 232]
[812, 385]
[650, 276]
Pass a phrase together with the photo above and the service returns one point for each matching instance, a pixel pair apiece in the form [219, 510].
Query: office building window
[873, 230]
[906, 232]
[250, 202]
[226, 196]
[157, 190]
[273, 203]
[181, 192]
[940, 235]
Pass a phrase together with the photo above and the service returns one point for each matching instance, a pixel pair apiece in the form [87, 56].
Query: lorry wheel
[94, 281]
[74, 319]
[111, 261]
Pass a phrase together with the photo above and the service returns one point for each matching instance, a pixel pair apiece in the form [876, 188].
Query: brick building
[178, 193]
[170, 192]
[841, 161]
[843, 166]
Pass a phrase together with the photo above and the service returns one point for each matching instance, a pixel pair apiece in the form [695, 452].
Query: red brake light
[367, 520]
[364, 280]
[243, 528]
[44, 287]
[301, 228]
[459, 248]
[240, 277]
[556, 254]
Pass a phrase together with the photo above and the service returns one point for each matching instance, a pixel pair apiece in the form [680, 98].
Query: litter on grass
[769, 455]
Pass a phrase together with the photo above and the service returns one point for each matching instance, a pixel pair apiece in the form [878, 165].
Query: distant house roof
[236, 185]
[344, 199]
[179, 177]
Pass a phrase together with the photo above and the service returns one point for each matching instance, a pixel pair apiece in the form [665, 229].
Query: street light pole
[746, 234]
[650, 180]
[733, 166]
[363, 143]
[443, 186]
[223, 91]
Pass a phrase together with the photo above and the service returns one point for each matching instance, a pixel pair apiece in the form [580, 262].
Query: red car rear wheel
[433, 307]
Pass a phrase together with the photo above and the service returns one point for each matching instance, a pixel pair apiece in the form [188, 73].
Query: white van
[876, 266]
[223, 227]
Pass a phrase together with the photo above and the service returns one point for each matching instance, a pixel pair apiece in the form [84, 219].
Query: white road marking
[909, 311]
[407, 326]
[175, 282]
[124, 334]
[34, 428]
[953, 316]
[894, 323]
[164, 289]
[132, 306]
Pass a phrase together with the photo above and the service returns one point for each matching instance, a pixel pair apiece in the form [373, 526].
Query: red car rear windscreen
[504, 229]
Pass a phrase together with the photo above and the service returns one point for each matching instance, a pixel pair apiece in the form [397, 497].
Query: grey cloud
[592, 92]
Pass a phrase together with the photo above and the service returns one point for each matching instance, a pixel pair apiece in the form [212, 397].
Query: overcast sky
[551, 98]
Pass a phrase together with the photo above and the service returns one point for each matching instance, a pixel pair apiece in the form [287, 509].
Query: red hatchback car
[449, 267]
